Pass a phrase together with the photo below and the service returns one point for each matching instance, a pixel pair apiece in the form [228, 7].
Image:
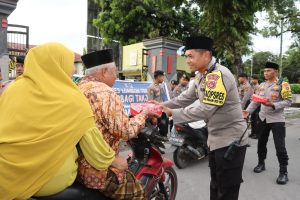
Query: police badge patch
[215, 92]
[212, 80]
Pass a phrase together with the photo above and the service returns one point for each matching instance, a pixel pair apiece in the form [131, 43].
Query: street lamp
[280, 56]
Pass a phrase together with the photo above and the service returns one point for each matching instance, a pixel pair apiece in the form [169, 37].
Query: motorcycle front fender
[167, 163]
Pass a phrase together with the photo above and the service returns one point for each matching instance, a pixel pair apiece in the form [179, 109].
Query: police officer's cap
[254, 77]
[199, 42]
[243, 75]
[272, 65]
[20, 59]
[184, 76]
[158, 73]
[98, 58]
[174, 82]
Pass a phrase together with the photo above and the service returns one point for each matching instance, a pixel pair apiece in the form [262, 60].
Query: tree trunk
[238, 63]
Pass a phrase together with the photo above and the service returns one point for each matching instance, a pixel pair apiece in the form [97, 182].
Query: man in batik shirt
[114, 124]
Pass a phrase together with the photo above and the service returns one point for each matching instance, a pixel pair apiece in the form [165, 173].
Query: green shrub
[295, 88]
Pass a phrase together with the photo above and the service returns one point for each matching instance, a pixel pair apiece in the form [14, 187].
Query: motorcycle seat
[75, 192]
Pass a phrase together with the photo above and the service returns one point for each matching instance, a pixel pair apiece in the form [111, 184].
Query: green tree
[259, 60]
[230, 23]
[287, 11]
[132, 21]
[291, 65]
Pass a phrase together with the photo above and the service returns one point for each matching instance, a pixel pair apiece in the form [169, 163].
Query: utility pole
[251, 72]
[6, 8]
[281, 33]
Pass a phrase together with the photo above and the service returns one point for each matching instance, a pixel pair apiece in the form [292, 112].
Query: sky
[65, 21]
[61, 21]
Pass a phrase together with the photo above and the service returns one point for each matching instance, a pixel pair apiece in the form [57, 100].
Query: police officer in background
[183, 85]
[20, 65]
[245, 90]
[173, 85]
[19, 71]
[254, 116]
[213, 98]
[155, 89]
[255, 84]
[271, 117]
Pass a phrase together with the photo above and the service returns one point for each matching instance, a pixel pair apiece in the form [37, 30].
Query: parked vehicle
[190, 141]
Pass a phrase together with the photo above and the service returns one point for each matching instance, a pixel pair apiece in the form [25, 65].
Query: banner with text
[135, 92]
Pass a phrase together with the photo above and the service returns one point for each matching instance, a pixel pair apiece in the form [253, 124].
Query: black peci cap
[254, 77]
[243, 75]
[199, 42]
[272, 65]
[98, 58]
[20, 59]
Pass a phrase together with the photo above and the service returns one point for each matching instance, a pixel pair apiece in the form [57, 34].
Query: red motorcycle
[154, 172]
[150, 168]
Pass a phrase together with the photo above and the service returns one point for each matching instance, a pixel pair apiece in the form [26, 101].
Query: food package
[136, 108]
[258, 99]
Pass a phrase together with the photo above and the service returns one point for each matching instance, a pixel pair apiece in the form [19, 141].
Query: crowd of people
[36, 107]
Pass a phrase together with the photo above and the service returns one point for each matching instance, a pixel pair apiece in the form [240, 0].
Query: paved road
[194, 180]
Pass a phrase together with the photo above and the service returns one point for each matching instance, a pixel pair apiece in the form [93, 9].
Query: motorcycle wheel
[167, 190]
[180, 158]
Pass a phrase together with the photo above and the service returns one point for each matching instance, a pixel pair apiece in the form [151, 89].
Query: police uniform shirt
[255, 88]
[214, 98]
[179, 89]
[154, 92]
[245, 92]
[279, 95]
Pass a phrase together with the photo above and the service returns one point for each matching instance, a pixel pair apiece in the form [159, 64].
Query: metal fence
[17, 44]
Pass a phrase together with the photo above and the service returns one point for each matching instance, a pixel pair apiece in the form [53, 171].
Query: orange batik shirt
[113, 123]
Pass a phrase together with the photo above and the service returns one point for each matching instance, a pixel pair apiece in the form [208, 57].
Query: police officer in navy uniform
[271, 117]
[214, 98]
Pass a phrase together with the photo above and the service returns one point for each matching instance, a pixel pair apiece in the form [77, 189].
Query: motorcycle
[146, 162]
[190, 142]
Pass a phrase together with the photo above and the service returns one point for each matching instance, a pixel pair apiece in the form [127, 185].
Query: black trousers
[278, 130]
[226, 176]
[254, 122]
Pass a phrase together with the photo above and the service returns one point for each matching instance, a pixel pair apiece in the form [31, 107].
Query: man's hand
[120, 163]
[167, 110]
[245, 114]
[268, 103]
[149, 113]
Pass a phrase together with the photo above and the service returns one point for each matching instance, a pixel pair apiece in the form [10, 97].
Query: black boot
[260, 167]
[283, 176]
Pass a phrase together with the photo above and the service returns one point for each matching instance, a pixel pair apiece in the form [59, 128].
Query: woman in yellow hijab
[42, 117]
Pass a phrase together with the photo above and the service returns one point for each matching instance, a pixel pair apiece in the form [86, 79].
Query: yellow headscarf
[42, 117]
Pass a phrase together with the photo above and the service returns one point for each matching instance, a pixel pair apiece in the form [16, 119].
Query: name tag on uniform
[215, 92]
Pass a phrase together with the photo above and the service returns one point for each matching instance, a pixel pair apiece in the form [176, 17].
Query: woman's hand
[120, 163]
